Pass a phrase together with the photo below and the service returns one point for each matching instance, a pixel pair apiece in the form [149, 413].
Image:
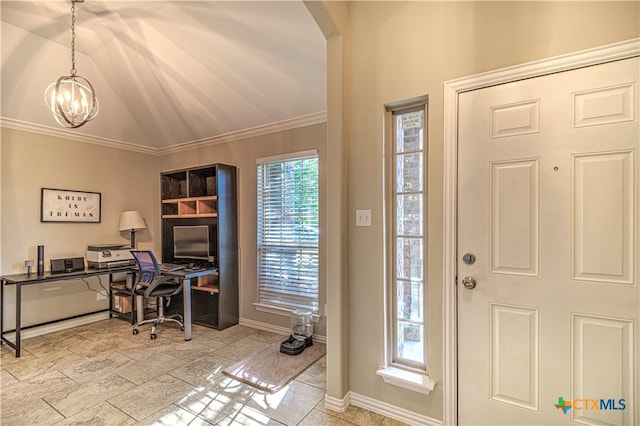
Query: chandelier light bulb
[72, 101]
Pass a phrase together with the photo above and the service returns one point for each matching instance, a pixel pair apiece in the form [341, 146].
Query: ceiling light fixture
[71, 98]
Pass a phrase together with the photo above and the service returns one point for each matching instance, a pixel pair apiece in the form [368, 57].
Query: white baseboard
[265, 326]
[275, 329]
[338, 405]
[58, 326]
[379, 407]
[392, 411]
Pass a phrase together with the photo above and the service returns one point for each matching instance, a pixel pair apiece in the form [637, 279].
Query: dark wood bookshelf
[206, 195]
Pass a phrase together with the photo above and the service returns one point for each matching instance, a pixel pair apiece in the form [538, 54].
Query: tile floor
[101, 374]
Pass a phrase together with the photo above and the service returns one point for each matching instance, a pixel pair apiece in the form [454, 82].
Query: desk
[20, 280]
[185, 276]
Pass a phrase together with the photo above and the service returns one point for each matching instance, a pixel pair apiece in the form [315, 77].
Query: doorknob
[469, 283]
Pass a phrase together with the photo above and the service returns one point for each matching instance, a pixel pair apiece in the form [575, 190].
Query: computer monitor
[191, 242]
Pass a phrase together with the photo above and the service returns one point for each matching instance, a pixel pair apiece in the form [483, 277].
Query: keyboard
[170, 267]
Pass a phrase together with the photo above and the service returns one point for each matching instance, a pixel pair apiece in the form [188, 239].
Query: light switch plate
[363, 217]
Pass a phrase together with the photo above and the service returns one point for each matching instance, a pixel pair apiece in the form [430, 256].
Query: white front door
[548, 207]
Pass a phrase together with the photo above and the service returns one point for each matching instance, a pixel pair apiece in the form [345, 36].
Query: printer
[104, 256]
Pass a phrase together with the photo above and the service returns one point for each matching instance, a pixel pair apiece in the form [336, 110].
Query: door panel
[515, 337]
[548, 199]
[595, 374]
[603, 217]
[514, 212]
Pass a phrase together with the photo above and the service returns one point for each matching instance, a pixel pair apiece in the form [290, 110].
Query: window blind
[287, 243]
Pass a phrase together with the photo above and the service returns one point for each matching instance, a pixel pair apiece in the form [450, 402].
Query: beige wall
[126, 180]
[243, 154]
[400, 50]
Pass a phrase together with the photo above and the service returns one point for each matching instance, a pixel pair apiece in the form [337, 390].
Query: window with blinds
[288, 231]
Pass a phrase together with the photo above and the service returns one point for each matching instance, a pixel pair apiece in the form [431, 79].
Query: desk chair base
[154, 321]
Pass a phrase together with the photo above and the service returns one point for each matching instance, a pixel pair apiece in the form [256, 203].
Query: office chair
[151, 283]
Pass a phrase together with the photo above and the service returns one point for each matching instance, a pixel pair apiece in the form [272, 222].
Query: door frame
[452, 89]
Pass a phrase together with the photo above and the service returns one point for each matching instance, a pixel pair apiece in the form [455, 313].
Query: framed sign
[62, 205]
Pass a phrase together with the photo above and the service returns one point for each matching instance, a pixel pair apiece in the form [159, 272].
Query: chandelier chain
[73, 38]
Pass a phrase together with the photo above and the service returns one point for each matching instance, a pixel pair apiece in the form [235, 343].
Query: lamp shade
[131, 220]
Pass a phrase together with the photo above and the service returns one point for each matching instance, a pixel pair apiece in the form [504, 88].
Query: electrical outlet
[363, 217]
[100, 296]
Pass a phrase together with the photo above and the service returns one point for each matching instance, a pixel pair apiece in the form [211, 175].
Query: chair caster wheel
[134, 331]
[153, 336]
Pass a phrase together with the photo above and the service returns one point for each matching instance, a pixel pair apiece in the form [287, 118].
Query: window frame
[403, 372]
[284, 308]
[396, 359]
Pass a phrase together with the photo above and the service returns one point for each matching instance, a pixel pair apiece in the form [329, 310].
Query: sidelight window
[406, 336]
[407, 236]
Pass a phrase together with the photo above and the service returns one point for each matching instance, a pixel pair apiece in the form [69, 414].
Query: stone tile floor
[101, 374]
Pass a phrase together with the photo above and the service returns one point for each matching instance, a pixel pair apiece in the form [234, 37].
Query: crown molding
[63, 133]
[266, 129]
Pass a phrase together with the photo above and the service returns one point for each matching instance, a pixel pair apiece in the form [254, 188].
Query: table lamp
[132, 221]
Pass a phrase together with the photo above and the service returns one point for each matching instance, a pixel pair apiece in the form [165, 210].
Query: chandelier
[71, 99]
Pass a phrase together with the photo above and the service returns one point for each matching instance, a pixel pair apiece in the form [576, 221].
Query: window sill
[416, 382]
[279, 310]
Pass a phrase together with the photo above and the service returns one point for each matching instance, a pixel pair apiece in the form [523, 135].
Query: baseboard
[265, 326]
[58, 326]
[392, 411]
[336, 404]
[379, 407]
[275, 329]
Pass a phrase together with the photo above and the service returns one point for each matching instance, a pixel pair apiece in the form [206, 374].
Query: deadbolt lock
[469, 258]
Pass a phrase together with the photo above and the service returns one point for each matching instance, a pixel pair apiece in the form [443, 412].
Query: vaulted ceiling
[166, 73]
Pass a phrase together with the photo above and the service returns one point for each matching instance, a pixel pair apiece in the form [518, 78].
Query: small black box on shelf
[67, 265]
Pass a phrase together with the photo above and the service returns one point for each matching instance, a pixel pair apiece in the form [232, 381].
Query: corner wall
[30, 161]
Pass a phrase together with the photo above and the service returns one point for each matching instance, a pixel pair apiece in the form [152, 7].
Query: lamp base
[133, 239]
